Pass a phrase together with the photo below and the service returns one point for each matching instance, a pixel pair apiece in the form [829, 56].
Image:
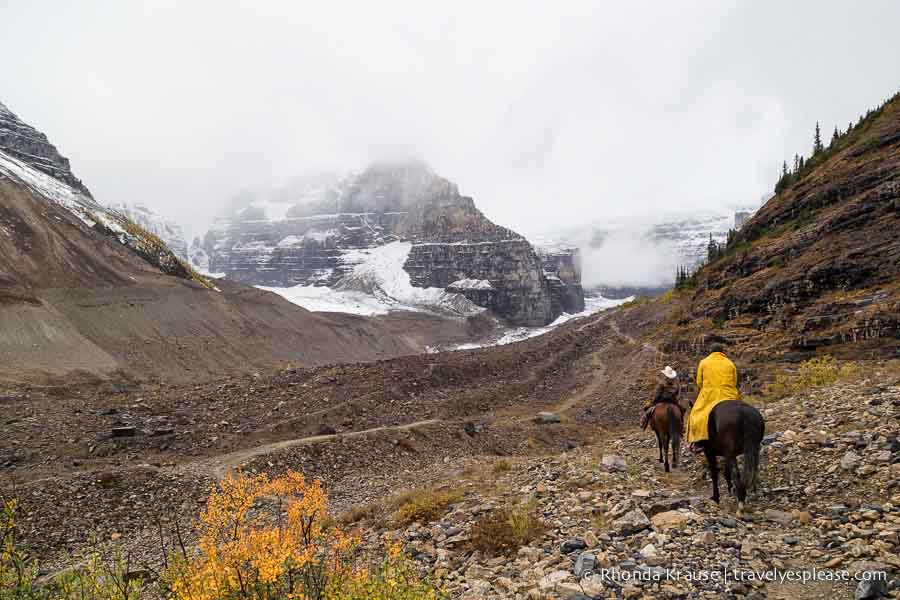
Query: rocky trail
[829, 503]
[219, 466]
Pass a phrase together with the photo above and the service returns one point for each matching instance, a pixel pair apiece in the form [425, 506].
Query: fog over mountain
[546, 115]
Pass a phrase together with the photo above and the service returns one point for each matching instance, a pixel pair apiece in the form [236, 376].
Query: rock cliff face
[23, 142]
[819, 265]
[454, 246]
[562, 268]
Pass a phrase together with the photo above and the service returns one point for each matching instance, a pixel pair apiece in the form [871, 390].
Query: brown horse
[735, 428]
[667, 422]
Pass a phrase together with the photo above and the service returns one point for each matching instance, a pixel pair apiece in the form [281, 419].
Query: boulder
[631, 522]
[546, 417]
[614, 462]
[669, 520]
[573, 545]
[850, 460]
[586, 562]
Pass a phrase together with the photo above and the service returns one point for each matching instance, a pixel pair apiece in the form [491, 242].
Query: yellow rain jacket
[717, 380]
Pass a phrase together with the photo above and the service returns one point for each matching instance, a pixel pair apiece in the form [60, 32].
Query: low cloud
[627, 258]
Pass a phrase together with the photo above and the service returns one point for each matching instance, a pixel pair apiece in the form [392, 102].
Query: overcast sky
[548, 113]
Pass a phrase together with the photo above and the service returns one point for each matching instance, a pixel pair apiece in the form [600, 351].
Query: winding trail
[219, 466]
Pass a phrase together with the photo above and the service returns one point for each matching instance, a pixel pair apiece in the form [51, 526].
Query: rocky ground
[547, 421]
[108, 462]
[829, 500]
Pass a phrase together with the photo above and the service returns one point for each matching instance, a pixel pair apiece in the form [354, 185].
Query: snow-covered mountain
[166, 229]
[689, 235]
[333, 232]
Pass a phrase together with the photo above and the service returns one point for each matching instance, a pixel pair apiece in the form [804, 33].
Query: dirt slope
[75, 302]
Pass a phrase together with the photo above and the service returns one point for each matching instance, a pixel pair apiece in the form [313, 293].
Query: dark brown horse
[667, 422]
[735, 428]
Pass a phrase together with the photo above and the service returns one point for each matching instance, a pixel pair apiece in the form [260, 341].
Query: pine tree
[817, 140]
[713, 251]
[834, 137]
[796, 163]
[784, 180]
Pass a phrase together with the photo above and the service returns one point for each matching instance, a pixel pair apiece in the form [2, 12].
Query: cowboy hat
[669, 372]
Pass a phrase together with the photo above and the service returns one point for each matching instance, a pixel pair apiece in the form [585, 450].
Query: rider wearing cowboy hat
[667, 390]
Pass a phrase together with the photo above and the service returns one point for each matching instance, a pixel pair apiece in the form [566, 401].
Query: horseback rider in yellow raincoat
[717, 380]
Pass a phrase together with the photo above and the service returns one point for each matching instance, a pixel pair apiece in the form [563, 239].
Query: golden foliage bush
[507, 529]
[268, 539]
[813, 373]
[259, 539]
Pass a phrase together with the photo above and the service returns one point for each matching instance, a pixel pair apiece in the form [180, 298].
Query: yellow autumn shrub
[268, 539]
[813, 373]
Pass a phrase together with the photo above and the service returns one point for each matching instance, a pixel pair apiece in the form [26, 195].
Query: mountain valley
[134, 382]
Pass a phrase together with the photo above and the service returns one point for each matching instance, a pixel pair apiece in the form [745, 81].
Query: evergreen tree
[834, 137]
[713, 250]
[817, 140]
[796, 163]
[784, 180]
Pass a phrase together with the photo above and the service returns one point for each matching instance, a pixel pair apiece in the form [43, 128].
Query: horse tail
[752, 443]
[674, 426]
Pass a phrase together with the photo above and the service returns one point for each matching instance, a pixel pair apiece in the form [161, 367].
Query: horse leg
[675, 436]
[676, 450]
[665, 449]
[740, 490]
[730, 470]
[658, 442]
[751, 469]
[713, 469]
